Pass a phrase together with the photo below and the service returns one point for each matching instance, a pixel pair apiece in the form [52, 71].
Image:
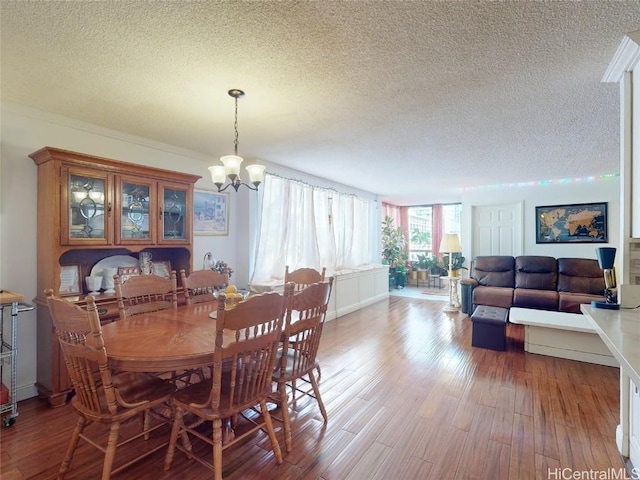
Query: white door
[497, 229]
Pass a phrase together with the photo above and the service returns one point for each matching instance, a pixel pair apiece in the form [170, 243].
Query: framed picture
[162, 268]
[126, 272]
[577, 223]
[210, 213]
[70, 280]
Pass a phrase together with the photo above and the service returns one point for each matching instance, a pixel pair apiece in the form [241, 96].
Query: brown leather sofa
[530, 281]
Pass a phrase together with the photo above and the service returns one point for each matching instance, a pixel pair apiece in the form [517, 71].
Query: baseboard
[25, 391]
[622, 441]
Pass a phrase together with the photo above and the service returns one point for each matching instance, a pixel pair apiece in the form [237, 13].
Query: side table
[435, 280]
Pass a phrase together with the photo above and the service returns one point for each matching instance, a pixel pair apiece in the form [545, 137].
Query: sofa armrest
[466, 291]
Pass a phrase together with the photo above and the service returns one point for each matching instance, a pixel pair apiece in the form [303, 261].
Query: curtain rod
[302, 182]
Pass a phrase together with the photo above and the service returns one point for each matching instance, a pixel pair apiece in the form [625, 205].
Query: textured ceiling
[410, 100]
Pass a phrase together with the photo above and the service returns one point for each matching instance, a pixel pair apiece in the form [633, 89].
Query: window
[420, 221]
[306, 226]
[451, 218]
[421, 228]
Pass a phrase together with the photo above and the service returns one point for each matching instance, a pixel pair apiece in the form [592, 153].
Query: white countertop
[620, 331]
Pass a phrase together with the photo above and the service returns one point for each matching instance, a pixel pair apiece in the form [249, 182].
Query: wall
[601, 190]
[24, 131]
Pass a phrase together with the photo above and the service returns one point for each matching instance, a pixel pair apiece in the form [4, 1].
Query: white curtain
[306, 226]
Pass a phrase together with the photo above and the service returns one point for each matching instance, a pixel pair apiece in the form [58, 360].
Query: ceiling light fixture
[231, 163]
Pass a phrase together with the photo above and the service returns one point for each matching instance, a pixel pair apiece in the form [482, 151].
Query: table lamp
[606, 257]
[451, 244]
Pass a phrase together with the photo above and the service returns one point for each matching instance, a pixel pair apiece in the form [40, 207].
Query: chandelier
[231, 163]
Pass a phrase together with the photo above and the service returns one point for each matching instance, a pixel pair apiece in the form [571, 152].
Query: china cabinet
[92, 212]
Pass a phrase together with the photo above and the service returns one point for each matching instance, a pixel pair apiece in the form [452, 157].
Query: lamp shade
[256, 173]
[231, 165]
[606, 257]
[218, 174]
[450, 243]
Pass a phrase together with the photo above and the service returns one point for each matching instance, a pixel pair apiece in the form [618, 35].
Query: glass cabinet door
[135, 203]
[174, 213]
[87, 207]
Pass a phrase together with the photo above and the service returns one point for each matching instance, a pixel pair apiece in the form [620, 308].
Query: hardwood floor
[407, 398]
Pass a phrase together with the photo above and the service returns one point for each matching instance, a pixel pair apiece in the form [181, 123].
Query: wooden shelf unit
[164, 229]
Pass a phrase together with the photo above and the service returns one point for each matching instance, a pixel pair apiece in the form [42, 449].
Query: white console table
[561, 334]
[620, 331]
[353, 289]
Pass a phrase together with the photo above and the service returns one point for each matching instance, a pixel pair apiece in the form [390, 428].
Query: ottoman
[489, 328]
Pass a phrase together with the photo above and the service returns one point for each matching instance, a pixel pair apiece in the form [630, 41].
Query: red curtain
[392, 211]
[400, 217]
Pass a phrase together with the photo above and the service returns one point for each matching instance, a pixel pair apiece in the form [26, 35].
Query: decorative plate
[114, 261]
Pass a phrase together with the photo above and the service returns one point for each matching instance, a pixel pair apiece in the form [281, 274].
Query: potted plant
[430, 264]
[394, 250]
[457, 263]
[412, 269]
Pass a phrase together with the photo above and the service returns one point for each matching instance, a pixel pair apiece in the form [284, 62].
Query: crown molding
[625, 59]
[43, 116]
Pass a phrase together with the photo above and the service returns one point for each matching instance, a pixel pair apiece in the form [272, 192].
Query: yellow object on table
[232, 299]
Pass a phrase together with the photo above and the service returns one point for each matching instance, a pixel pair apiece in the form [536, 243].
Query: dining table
[174, 339]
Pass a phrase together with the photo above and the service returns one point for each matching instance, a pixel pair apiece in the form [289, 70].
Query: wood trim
[47, 154]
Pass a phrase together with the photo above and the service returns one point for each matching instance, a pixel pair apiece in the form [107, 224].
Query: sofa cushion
[493, 296]
[534, 298]
[580, 275]
[494, 271]
[536, 272]
[570, 302]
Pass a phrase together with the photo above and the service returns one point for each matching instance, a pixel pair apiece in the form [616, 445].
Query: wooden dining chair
[141, 294]
[145, 293]
[247, 338]
[303, 277]
[102, 397]
[201, 285]
[304, 319]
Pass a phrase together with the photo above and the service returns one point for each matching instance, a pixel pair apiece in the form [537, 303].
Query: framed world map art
[577, 223]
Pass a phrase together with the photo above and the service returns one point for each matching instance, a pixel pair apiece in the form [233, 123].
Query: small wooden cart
[9, 351]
